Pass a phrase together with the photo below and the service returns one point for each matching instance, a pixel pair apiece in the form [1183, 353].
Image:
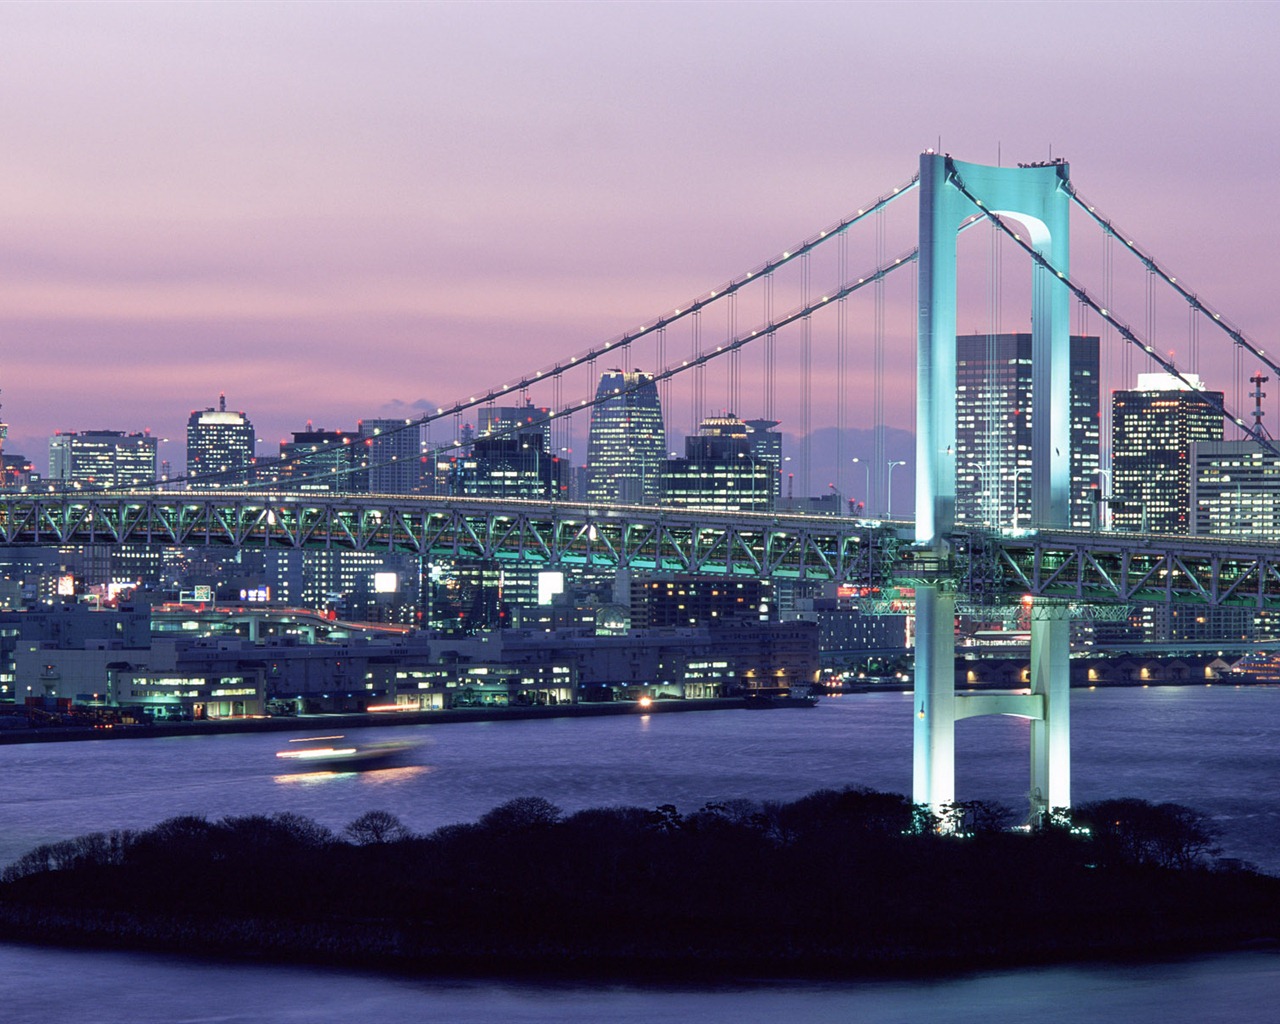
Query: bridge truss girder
[1111, 568]
[538, 533]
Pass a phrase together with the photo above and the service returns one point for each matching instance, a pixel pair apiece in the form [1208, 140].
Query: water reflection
[377, 776]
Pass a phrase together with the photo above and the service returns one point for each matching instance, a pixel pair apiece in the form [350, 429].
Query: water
[1217, 749]
[39, 986]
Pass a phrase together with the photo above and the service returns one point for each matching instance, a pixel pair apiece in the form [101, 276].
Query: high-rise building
[1152, 430]
[1235, 490]
[518, 420]
[393, 449]
[766, 444]
[720, 470]
[994, 413]
[627, 444]
[324, 460]
[503, 466]
[17, 473]
[102, 459]
[220, 448]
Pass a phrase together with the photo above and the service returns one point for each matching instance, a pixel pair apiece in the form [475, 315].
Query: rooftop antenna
[1257, 380]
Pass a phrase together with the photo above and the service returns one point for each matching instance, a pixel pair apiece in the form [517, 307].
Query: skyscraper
[994, 408]
[627, 443]
[103, 458]
[1152, 430]
[220, 448]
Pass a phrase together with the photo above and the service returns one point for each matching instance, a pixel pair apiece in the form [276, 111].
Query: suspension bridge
[1066, 571]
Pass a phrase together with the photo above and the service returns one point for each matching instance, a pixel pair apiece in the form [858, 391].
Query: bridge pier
[1051, 683]
[934, 770]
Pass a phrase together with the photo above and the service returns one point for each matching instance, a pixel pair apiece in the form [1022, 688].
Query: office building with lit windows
[102, 458]
[220, 448]
[994, 413]
[1153, 429]
[720, 470]
[334, 461]
[1235, 490]
[502, 466]
[520, 420]
[627, 443]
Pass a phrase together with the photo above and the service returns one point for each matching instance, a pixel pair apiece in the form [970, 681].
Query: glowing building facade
[1153, 428]
[103, 458]
[220, 448]
[994, 415]
[627, 444]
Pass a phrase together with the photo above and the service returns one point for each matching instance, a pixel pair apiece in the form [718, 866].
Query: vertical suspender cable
[880, 457]
[806, 399]
[1238, 389]
[735, 357]
[842, 341]
[698, 406]
[664, 386]
[1193, 337]
[996, 425]
[770, 380]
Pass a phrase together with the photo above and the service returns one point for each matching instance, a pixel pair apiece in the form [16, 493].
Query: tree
[1137, 832]
[374, 827]
[522, 814]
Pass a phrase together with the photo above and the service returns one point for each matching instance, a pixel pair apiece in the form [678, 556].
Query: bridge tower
[1035, 197]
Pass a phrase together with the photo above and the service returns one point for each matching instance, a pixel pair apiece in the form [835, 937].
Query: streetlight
[888, 508]
[1016, 473]
[866, 466]
[752, 458]
[1104, 518]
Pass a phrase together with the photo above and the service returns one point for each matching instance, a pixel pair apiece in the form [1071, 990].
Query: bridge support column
[1051, 734]
[934, 775]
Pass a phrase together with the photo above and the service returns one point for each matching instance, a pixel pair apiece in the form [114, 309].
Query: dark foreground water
[1216, 748]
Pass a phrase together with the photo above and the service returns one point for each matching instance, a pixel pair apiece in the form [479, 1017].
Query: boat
[336, 754]
[774, 699]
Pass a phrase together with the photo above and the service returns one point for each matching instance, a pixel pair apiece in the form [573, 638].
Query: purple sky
[334, 211]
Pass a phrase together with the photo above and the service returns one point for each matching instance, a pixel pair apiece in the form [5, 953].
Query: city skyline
[351, 212]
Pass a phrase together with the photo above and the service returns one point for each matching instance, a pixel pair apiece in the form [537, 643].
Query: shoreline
[377, 719]
[360, 720]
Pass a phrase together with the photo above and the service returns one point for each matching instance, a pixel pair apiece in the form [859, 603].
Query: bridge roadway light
[888, 508]
[867, 490]
[748, 455]
[1017, 473]
[1105, 516]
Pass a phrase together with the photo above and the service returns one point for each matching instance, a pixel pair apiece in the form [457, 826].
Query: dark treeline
[833, 883]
